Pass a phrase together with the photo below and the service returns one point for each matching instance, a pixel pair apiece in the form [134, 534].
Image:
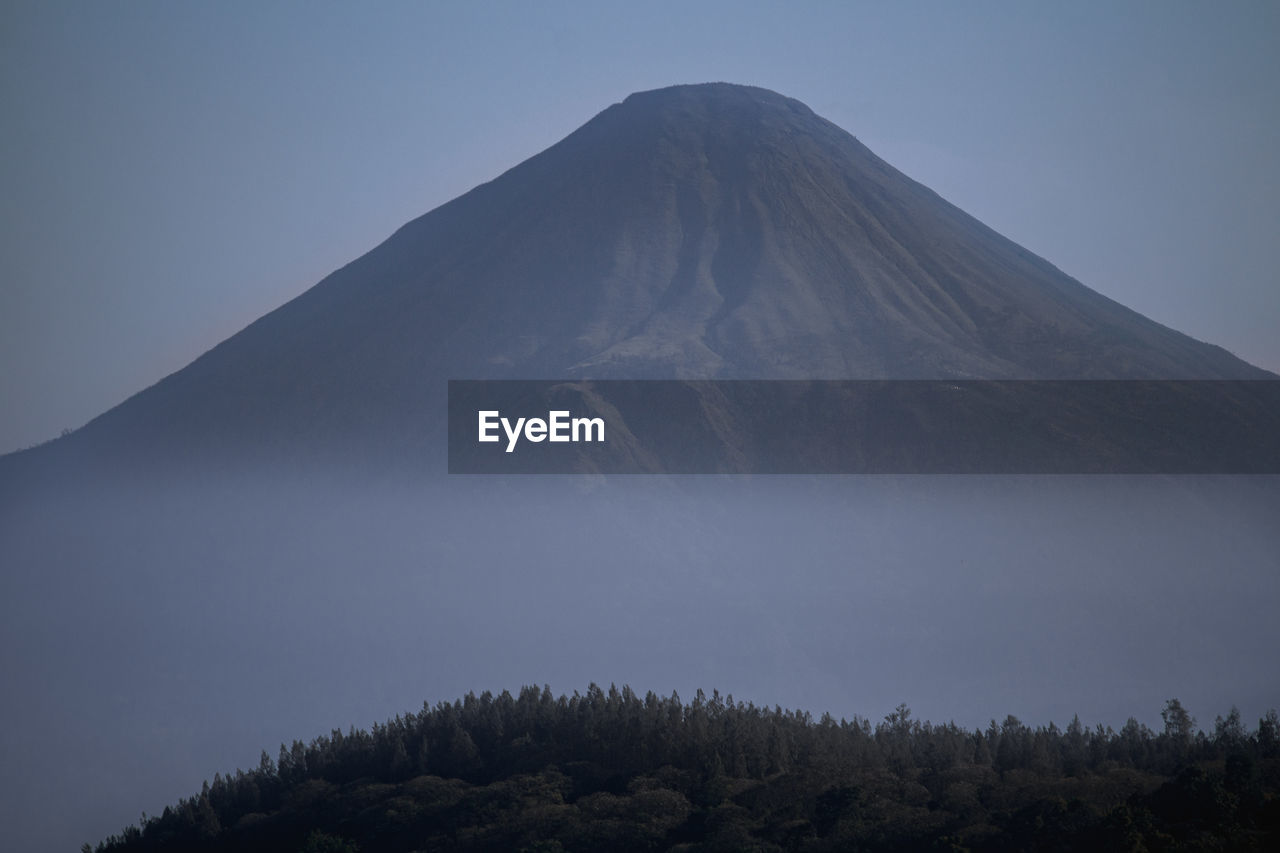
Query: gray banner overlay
[863, 427]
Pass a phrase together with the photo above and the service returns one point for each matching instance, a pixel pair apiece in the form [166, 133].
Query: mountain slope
[697, 231]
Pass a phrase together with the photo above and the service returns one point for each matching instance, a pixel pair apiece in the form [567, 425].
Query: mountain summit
[703, 231]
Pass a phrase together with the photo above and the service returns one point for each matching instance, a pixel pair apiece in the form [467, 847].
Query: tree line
[611, 770]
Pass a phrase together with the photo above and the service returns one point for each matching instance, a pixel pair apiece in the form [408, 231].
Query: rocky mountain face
[706, 231]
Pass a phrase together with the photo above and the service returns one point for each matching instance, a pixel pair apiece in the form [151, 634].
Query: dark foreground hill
[614, 771]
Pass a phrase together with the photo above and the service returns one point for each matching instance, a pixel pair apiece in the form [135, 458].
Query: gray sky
[170, 172]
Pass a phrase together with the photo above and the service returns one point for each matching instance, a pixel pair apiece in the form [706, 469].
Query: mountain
[254, 548]
[704, 231]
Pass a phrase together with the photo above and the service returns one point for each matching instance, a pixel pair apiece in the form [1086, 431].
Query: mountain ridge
[697, 231]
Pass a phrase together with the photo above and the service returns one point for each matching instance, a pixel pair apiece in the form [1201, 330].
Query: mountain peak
[697, 231]
[731, 113]
[716, 93]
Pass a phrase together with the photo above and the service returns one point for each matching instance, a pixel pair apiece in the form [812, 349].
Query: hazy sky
[169, 172]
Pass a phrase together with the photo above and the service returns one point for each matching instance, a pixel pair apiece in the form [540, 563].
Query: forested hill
[615, 771]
